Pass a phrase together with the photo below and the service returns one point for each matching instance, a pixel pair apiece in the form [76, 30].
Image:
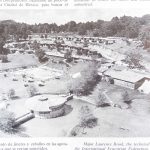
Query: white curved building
[46, 106]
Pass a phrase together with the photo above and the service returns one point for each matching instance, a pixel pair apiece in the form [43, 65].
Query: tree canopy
[125, 26]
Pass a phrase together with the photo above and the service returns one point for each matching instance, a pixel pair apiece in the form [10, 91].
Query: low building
[126, 77]
[46, 106]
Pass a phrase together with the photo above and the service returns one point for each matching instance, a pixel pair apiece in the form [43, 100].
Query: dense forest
[125, 26]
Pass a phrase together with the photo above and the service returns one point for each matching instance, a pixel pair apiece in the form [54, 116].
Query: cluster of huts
[80, 39]
[78, 49]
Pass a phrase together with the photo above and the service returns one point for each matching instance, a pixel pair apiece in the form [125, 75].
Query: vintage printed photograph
[75, 73]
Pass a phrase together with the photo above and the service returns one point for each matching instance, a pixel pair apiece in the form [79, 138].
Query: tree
[39, 52]
[144, 35]
[126, 98]
[3, 36]
[134, 59]
[79, 51]
[11, 93]
[2, 43]
[98, 24]
[124, 26]
[35, 45]
[102, 100]
[113, 27]
[46, 36]
[145, 19]
[96, 33]
[7, 120]
[32, 91]
[23, 31]
[87, 119]
[68, 56]
[41, 55]
[71, 26]
[58, 45]
[82, 29]
[42, 36]
[4, 58]
[88, 79]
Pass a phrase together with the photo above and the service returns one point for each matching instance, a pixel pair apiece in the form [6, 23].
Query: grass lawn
[126, 122]
[19, 60]
[54, 127]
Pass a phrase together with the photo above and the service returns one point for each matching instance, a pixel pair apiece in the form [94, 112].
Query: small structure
[46, 106]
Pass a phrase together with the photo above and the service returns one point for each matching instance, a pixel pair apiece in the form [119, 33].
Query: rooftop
[44, 102]
[126, 74]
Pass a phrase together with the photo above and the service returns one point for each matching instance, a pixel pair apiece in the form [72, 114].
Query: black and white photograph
[75, 73]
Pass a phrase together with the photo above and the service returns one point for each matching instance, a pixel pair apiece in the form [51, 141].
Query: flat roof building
[126, 77]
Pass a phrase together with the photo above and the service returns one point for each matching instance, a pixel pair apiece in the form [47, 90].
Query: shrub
[41, 55]
[24, 67]
[126, 98]
[23, 75]
[5, 75]
[100, 98]
[102, 101]
[6, 121]
[75, 131]
[87, 119]
[32, 91]
[11, 93]
[91, 122]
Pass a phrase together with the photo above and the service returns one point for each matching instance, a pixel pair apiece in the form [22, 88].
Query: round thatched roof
[43, 103]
